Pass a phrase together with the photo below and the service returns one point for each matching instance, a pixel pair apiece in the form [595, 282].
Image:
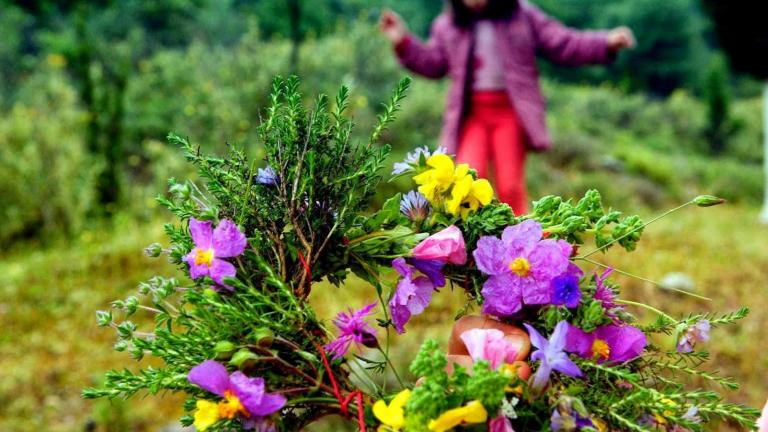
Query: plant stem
[645, 306]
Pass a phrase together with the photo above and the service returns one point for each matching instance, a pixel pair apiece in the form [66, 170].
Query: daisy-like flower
[411, 160]
[211, 245]
[604, 294]
[698, 332]
[415, 206]
[352, 328]
[243, 397]
[612, 343]
[551, 354]
[521, 267]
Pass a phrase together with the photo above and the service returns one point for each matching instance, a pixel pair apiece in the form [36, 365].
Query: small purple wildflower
[551, 355]
[570, 421]
[226, 241]
[415, 206]
[603, 293]
[566, 291]
[520, 266]
[692, 415]
[266, 176]
[352, 328]
[411, 297]
[698, 332]
[411, 160]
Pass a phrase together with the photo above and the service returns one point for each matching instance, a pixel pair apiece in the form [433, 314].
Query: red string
[344, 402]
[356, 395]
[307, 270]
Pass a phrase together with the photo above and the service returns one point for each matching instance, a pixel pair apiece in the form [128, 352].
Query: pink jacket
[528, 32]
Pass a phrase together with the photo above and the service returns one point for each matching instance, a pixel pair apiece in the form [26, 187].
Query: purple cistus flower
[698, 332]
[266, 176]
[551, 355]
[244, 397]
[612, 343]
[566, 291]
[415, 206]
[352, 328]
[412, 295]
[521, 267]
[226, 241]
[412, 159]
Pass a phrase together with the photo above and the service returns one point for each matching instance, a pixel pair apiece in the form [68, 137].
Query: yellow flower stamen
[601, 349]
[207, 413]
[204, 256]
[473, 412]
[392, 415]
[520, 266]
[231, 406]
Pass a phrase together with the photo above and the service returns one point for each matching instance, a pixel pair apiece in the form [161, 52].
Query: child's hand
[621, 38]
[392, 26]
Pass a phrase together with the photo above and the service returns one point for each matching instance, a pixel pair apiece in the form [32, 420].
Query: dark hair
[496, 9]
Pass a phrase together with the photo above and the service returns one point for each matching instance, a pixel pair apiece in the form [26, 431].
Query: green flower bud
[154, 250]
[223, 350]
[243, 359]
[708, 200]
[263, 337]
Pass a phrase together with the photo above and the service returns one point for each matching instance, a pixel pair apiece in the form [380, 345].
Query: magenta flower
[612, 343]
[243, 397]
[698, 332]
[500, 424]
[605, 295]
[521, 267]
[352, 328]
[489, 345]
[445, 246]
[412, 295]
[551, 355]
[226, 241]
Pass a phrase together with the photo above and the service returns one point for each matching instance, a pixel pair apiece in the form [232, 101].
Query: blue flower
[266, 176]
[415, 206]
[566, 291]
[551, 355]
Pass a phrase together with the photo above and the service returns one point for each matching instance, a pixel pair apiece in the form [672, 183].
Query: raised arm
[427, 59]
[568, 46]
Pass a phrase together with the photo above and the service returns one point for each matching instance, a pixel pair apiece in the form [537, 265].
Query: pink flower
[211, 245]
[446, 246]
[489, 345]
[500, 424]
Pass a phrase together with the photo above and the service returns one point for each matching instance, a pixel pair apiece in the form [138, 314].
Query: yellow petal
[473, 412]
[482, 191]
[392, 415]
[461, 171]
[460, 190]
[207, 413]
[443, 164]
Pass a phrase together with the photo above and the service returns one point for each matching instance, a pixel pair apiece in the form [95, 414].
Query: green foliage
[46, 174]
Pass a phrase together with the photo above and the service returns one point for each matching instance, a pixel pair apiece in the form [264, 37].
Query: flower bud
[708, 200]
[263, 337]
[223, 350]
[154, 250]
[243, 358]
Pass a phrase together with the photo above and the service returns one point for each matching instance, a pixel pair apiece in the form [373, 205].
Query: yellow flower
[207, 413]
[473, 412]
[601, 425]
[438, 179]
[392, 415]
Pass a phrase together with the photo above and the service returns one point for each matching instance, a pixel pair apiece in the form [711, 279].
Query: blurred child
[495, 110]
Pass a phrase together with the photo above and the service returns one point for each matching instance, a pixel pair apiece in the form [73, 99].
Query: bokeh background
[89, 89]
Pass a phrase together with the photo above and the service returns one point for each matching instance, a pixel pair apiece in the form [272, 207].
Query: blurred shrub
[46, 177]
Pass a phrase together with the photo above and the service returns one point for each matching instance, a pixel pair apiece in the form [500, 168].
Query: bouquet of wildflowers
[540, 345]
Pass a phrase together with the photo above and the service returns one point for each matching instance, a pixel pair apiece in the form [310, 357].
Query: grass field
[50, 346]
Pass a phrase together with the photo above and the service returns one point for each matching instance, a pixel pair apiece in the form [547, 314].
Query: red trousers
[491, 132]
